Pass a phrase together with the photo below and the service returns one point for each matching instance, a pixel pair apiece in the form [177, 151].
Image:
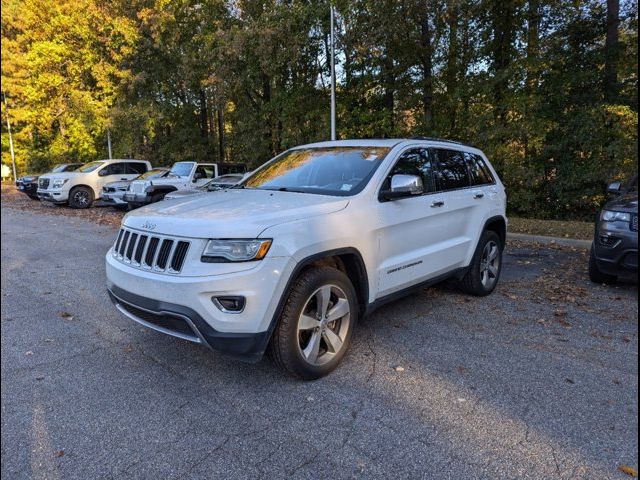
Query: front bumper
[616, 250]
[182, 306]
[28, 188]
[113, 198]
[54, 196]
[137, 199]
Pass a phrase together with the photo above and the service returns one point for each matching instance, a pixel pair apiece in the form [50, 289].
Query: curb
[568, 242]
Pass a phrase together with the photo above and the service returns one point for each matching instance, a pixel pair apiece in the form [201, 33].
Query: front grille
[154, 252]
[634, 223]
[43, 183]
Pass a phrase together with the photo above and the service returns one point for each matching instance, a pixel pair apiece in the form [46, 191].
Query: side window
[115, 169]
[478, 170]
[416, 161]
[136, 167]
[205, 171]
[451, 172]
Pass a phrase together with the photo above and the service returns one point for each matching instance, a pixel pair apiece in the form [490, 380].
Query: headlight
[610, 216]
[219, 251]
[58, 183]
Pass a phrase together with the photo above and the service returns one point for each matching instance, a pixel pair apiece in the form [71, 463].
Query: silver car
[217, 183]
[113, 192]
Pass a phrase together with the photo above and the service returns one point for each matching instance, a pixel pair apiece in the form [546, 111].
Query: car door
[412, 232]
[112, 172]
[203, 174]
[463, 202]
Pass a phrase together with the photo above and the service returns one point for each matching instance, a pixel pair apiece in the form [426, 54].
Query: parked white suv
[308, 244]
[183, 176]
[82, 186]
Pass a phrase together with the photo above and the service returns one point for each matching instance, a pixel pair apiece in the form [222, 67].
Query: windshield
[340, 171]
[65, 167]
[182, 169]
[89, 167]
[155, 173]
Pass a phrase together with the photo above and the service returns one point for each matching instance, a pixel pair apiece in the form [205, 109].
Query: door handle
[438, 203]
[124, 179]
[478, 195]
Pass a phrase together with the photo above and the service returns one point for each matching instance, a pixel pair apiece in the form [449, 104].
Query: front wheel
[80, 197]
[315, 328]
[484, 272]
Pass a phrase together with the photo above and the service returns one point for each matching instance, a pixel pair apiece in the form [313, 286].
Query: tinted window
[136, 167]
[115, 169]
[416, 161]
[478, 170]
[452, 170]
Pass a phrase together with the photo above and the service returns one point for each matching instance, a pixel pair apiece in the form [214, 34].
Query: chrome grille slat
[158, 253]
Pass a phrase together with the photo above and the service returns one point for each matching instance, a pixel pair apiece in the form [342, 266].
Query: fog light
[609, 241]
[229, 304]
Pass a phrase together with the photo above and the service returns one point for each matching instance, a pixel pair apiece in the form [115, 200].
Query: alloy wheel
[324, 324]
[490, 264]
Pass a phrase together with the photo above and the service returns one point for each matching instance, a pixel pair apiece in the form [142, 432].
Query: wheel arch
[348, 260]
[497, 224]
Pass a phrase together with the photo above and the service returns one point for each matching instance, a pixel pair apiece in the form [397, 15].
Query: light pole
[13, 155]
[333, 78]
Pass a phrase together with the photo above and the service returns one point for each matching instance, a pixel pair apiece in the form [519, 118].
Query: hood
[624, 203]
[51, 176]
[185, 193]
[118, 184]
[235, 213]
[29, 178]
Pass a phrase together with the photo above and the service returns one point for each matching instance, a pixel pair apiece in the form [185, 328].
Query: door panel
[413, 235]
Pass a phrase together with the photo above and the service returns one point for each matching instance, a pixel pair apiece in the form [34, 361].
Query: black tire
[472, 282]
[286, 343]
[597, 276]
[80, 197]
[33, 197]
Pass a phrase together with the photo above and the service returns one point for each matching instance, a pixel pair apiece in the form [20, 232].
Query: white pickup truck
[183, 175]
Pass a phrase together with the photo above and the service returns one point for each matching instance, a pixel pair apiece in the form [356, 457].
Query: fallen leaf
[399, 369]
[628, 470]
[60, 453]
[66, 315]
[28, 353]
[127, 349]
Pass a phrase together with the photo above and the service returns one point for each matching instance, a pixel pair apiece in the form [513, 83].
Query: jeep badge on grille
[149, 226]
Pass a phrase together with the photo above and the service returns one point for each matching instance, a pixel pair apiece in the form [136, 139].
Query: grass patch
[552, 228]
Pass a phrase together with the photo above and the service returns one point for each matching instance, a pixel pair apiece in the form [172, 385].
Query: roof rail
[434, 139]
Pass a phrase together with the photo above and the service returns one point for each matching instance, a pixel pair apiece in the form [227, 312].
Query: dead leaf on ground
[66, 315]
[127, 349]
[628, 470]
[60, 453]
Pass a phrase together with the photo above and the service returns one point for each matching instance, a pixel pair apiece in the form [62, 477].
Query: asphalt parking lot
[539, 380]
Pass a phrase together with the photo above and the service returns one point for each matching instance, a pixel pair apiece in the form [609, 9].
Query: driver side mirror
[197, 176]
[403, 186]
[104, 172]
[615, 187]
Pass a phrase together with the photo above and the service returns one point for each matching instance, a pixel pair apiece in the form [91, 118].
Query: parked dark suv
[614, 252]
[29, 184]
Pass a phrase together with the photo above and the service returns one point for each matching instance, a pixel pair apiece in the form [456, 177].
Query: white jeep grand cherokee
[312, 241]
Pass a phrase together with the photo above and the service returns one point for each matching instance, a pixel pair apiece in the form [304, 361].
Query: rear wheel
[314, 330]
[484, 272]
[597, 276]
[80, 197]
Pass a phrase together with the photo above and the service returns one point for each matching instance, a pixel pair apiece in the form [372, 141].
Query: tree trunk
[204, 116]
[427, 70]
[221, 139]
[611, 51]
[452, 62]
[533, 33]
